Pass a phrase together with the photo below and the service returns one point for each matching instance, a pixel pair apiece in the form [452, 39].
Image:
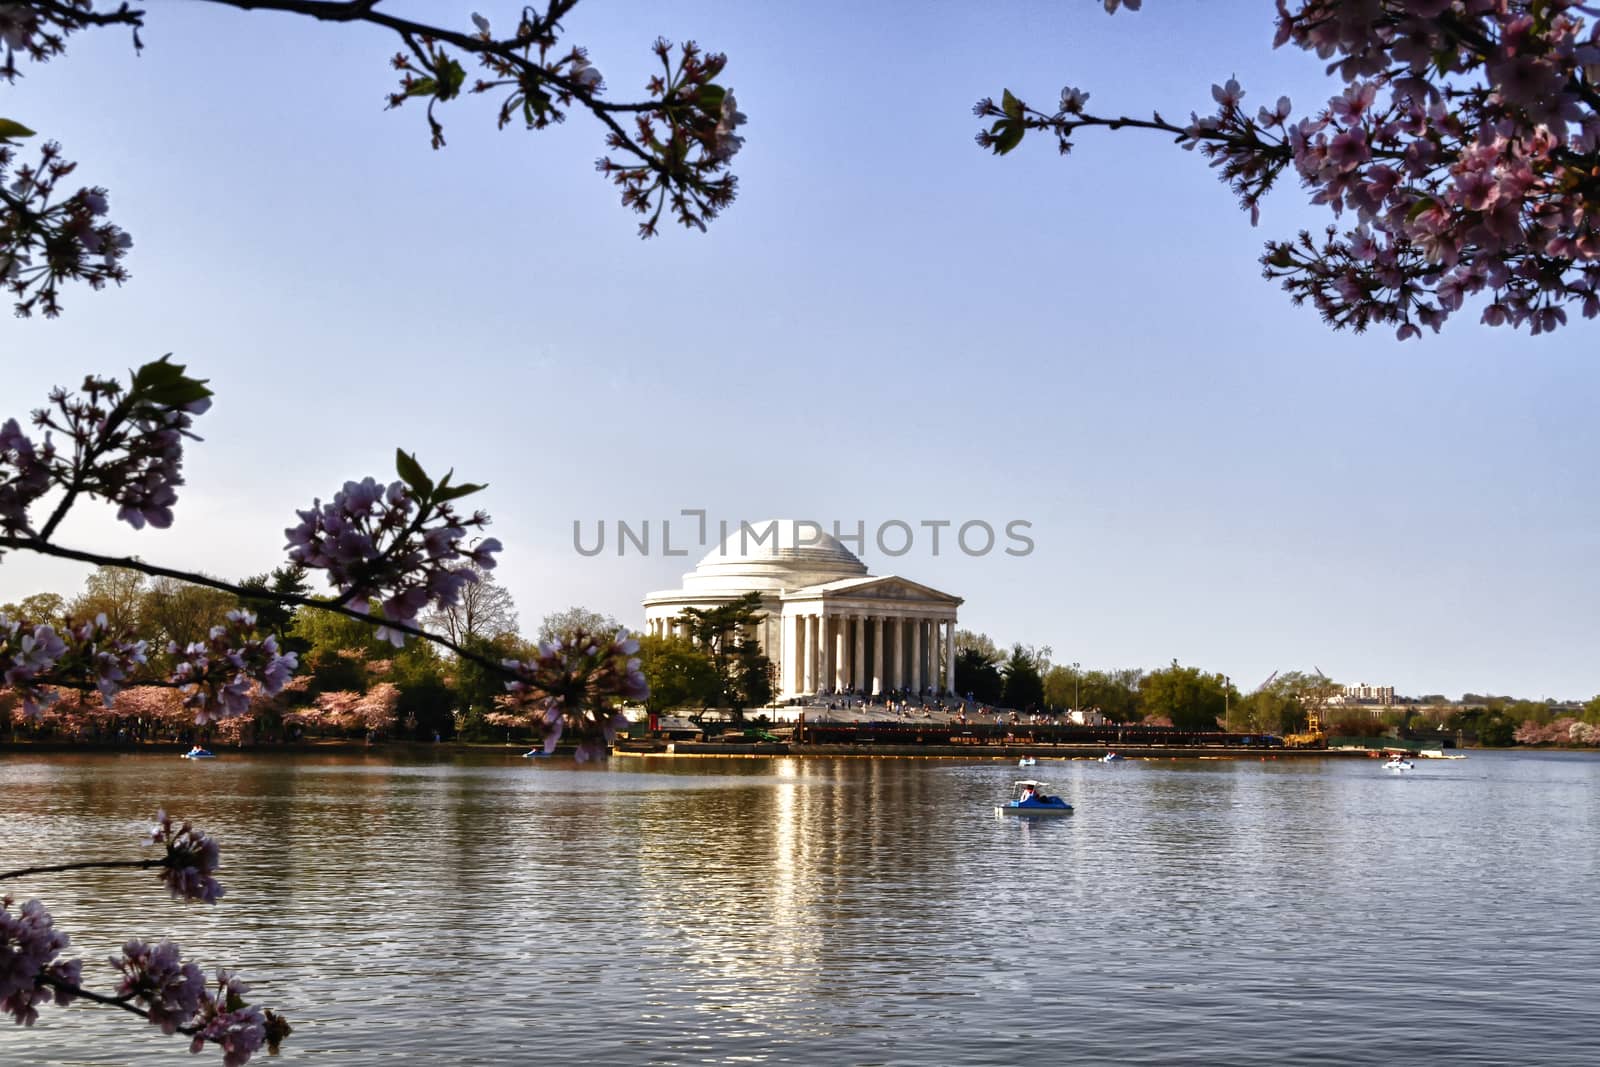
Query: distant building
[829, 626]
[1365, 694]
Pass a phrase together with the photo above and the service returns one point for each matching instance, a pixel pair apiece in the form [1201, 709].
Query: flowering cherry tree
[390, 551]
[1459, 158]
[668, 154]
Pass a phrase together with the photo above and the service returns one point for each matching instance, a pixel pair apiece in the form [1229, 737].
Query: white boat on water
[1026, 761]
[198, 753]
[1112, 757]
[1031, 799]
[1399, 763]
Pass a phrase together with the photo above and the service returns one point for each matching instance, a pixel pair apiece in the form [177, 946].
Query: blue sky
[888, 324]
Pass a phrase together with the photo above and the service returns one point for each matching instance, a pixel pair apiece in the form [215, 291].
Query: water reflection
[477, 908]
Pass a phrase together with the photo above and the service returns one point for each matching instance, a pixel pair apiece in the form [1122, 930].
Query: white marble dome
[773, 554]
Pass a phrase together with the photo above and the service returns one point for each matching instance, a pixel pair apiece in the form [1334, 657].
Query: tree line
[1025, 678]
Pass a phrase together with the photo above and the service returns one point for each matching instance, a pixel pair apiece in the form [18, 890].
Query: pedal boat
[1031, 799]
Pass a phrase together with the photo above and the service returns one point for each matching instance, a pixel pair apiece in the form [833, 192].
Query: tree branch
[110, 1002]
[84, 866]
[133, 563]
[364, 11]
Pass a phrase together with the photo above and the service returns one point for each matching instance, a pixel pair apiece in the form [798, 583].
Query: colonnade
[666, 627]
[862, 651]
[867, 652]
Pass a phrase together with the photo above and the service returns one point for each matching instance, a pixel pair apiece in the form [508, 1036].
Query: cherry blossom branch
[156, 570]
[24, 872]
[73, 992]
[1486, 187]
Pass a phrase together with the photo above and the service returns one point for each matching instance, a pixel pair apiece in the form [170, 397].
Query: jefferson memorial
[829, 626]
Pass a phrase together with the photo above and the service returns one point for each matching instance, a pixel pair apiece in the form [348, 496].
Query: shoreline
[750, 750]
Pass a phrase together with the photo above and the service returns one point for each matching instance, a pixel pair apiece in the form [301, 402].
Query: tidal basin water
[481, 908]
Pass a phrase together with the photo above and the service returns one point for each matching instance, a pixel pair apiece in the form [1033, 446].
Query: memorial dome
[774, 554]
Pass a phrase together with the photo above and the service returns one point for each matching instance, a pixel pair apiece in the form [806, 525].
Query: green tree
[426, 697]
[40, 607]
[980, 643]
[476, 686]
[1496, 729]
[114, 592]
[271, 615]
[751, 677]
[561, 623]
[1063, 686]
[1024, 686]
[1267, 711]
[1312, 694]
[181, 612]
[323, 632]
[978, 674]
[726, 632]
[1114, 694]
[1190, 698]
[680, 673]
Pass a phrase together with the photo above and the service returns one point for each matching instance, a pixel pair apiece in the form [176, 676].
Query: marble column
[859, 674]
[950, 656]
[916, 656]
[824, 650]
[877, 655]
[786, 654]
[841, 626]
[896, 651]
[808, 660]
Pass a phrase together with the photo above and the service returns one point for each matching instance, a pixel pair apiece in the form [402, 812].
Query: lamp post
[1226, 682]
[1075, 687]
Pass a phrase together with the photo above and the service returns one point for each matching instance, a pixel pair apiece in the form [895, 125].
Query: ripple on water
[478, 909]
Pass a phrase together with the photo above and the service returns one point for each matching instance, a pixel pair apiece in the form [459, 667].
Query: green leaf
[710, 99]
[1011, 105]
[164, 383]
[1007, 135]
[1422, 204]
[11, 128]
[451, 77]
[456, 492]
[421, 87]
[411, 473]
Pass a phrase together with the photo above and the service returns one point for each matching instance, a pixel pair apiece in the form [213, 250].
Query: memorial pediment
[885, 587]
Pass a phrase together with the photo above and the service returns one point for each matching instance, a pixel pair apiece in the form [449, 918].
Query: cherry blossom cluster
[126, 447]
[576, 680]
[24, 475]
[192, 858]
[29, 945]
[1463, 147]
[675, 158]
[238, 1028]
[689, 140]
[157, 977]
[39, 31]
[50, 233]
[400, 544]
[35, 658]
[218, 676]
[127, 444]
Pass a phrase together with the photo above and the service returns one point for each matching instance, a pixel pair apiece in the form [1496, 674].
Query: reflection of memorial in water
[770, 896]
